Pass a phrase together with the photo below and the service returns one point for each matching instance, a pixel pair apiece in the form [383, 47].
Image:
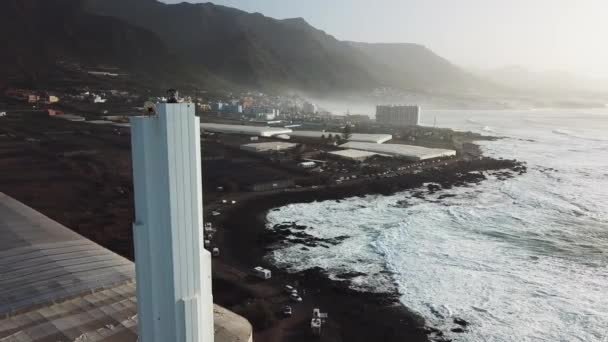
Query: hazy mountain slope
[247, 48]
[256, 50]
[415, 66]
[205, 45]
[39, 36]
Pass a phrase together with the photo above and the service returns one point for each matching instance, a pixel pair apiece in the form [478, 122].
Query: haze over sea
[522, 259]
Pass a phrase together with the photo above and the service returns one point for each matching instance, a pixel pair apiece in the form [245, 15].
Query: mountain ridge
[279, 53]
[212, 46]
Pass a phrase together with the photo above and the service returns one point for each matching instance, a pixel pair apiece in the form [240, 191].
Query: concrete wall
[173, 269]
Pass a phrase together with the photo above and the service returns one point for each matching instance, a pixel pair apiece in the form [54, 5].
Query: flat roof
[41, 260]
[263, 131]
[361, 137]
[353, 154]
[100, 122]
[268, 146]
[59, 286]
[70, 117]
[404, 151]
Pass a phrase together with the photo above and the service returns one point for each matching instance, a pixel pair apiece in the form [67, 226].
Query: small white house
[308, 164]
[98, 99]
[316, 313]
[262, 273]
[315, 326]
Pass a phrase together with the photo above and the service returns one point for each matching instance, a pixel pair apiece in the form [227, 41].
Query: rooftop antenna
[172, 96]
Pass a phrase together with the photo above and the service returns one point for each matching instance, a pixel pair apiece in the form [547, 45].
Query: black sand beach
[354, 316]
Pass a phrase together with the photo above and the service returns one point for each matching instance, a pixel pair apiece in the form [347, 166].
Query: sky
[541, 35]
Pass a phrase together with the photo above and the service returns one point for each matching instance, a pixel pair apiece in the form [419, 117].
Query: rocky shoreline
[359, 316]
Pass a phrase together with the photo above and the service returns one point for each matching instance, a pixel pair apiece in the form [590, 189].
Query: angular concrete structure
[173, 269]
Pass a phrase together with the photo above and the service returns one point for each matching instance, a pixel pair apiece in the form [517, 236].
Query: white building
[398, 115]
[261, 113]
[245, 130]
[350, 154]
[268, 114]
[173, 269]
[309, 108]
[362, 137]
[268, 146]
[409, 152]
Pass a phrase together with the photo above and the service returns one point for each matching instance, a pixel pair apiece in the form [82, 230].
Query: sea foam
[522, 259]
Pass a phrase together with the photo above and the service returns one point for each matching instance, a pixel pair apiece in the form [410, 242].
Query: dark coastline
[356, 316]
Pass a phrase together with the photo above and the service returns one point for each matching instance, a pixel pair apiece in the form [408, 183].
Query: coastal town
[253, 159]
[303, 171]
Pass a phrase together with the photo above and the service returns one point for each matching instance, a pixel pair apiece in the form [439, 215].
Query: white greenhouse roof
[70, 117]
[361, 137]
[353, 154]
[242, 129]
[268, 146]
[55, 285]
[100, 122]
[42, 260]
[404, 151]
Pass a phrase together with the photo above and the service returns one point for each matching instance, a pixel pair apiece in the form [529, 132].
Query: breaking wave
[577, 136]
[474, 121]
[522, 259]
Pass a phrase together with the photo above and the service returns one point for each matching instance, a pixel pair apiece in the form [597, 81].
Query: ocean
[522, 259]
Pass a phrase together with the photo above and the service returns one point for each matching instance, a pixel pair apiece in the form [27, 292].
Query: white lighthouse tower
[173, 269]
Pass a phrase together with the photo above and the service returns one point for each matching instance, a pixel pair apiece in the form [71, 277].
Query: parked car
[295, 297]
[287, 311]
[262, 273]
